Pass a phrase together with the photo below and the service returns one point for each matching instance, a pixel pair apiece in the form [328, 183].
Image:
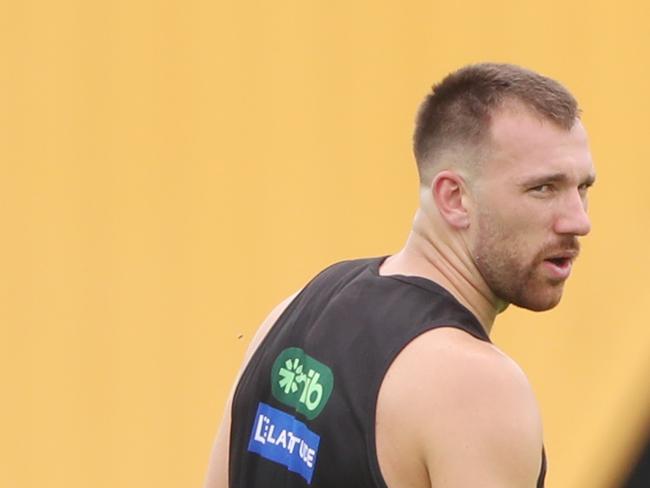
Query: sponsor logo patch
[282, 438]
[301, 382]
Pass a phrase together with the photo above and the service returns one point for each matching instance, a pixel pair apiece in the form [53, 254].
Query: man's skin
[486, 235]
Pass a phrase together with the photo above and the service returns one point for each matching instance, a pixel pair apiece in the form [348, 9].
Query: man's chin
[539, 303]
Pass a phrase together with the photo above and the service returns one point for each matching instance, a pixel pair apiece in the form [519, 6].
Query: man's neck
[425, 256]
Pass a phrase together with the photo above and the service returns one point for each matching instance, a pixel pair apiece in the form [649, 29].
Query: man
[380, 372]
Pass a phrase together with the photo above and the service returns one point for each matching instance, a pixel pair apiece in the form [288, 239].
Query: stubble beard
[513, 277]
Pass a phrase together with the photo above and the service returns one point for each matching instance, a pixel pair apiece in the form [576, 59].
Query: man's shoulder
[349, 266]
[467, 353]
[457, 363]
[455, 396]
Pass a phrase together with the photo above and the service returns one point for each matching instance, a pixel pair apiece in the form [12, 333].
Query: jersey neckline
[426, 284]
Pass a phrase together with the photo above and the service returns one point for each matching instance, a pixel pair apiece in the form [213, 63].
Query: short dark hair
[457, 112]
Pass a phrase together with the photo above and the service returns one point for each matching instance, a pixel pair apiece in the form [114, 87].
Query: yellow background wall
[171, 170]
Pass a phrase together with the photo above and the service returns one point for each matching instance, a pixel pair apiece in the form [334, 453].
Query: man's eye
[546, 188]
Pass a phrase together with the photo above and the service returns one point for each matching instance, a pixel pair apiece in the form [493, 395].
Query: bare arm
[217, 476]
[461, 413]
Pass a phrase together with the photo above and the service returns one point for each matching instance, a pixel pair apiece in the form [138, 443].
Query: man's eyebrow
[555, 178]
[543, 179]
[590, 180]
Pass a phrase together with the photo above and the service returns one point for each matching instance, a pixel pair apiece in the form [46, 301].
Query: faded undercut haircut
[455, 117]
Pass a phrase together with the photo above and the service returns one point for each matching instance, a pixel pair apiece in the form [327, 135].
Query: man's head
[502, 153]
[453, 123]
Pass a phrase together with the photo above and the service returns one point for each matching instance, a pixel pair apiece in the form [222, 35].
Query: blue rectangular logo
[282, 438]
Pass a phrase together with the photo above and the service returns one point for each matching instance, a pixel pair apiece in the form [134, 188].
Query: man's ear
[448, 191]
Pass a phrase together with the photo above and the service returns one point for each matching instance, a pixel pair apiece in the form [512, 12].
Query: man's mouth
[559, 266]
[560, 262]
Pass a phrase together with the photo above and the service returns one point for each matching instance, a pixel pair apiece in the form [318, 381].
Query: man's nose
[572, 217]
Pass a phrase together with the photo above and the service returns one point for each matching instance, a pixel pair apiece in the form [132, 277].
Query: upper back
[304, 410]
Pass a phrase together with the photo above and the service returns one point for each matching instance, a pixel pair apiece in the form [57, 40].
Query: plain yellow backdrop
[171, 170]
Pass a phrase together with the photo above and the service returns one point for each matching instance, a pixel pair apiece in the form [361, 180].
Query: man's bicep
[500, 455]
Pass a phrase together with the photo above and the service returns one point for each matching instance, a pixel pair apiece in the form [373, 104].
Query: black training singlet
[303, 413]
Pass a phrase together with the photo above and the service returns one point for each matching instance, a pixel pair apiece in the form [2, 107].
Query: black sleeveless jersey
[303, 413]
